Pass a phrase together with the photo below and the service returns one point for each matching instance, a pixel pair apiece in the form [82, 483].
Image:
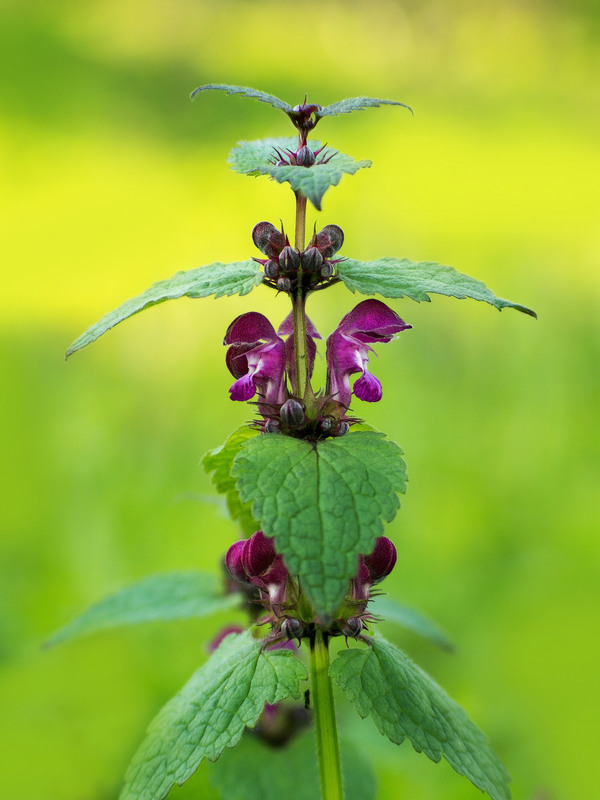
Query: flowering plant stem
[325, 722]
[299, 303]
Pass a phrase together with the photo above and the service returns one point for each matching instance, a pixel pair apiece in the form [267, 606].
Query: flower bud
[343, 429]
[382, 560]
[268, 239]
[289, 259]
[327, 270]
[271, 269]
[257, 555]
[292, 413]
[284, 284]
[305, 157]
[352, 627]
[233, 562]
[312, 260]
[292, 628]
[329, 240]
[326, 424]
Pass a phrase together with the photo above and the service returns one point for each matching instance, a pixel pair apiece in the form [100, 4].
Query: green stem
[300, 354]
[325, 724]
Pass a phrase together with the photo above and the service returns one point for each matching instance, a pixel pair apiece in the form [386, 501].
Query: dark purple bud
[275, 581]
[305, 157]
[327, 269]
[271, 268]
[257, 555]
[312, 260]
[343, 429]
[292, 413]
[233, 561]
[272, 426]
[329, 240]
[326, 424]
[292, 628]
[361, 583]
[289, 259]
[382, 560]
[284, 284]
[353, 627]
[268, 239]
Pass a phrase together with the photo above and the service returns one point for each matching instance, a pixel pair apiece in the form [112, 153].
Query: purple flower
[256, 357]
[349, 345]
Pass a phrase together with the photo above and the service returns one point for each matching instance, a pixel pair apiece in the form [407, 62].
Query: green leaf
[255, 94]
[411, 619]
[323, 502]
[356, 104]
[219, 279]
[399, 277]
[257, 157]
[256, 771]
[405, 702]
[173, 595]
[210, 713]
[220, 462]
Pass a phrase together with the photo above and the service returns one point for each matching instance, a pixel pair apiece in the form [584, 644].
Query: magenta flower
[256, 357]
[349, 345]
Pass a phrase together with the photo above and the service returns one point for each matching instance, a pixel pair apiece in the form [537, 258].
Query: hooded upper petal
[256, 357]
[349, 345]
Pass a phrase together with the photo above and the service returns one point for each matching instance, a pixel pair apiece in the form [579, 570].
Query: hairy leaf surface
[399, 277]
[219, 279]
[260, 158]
[405, 702]
[356, 104]
[254, 94]
[410, 618]
[173, 595]
[210, 713]
[256, 771]
[220, 462]
[325, 503]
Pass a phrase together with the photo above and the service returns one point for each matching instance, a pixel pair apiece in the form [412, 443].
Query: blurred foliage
[113, 179]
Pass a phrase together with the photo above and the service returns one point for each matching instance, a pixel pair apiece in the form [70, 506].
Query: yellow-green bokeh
[112, 179]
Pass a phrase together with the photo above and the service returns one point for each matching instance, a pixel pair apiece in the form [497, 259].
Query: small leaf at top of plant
[255, 94]
[357, 104]
[268, 157]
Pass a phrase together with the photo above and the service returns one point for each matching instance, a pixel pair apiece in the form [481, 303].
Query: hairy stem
[300, 222]
[325, 724]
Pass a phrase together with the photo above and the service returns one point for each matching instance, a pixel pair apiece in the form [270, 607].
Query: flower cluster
[254, 564]
[287, 269]
[262, 362]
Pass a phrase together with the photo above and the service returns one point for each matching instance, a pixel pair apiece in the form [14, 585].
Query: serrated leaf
[210, 713]
[255, 158]
[399, 277]
[173, 595]
[256, 771]
[405, 702]
[219, 279]
[410, 618]
[220, 462]
[356, 104]
[325, 503]
[255, 94]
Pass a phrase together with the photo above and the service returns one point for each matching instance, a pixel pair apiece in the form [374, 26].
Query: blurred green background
[112, 179]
